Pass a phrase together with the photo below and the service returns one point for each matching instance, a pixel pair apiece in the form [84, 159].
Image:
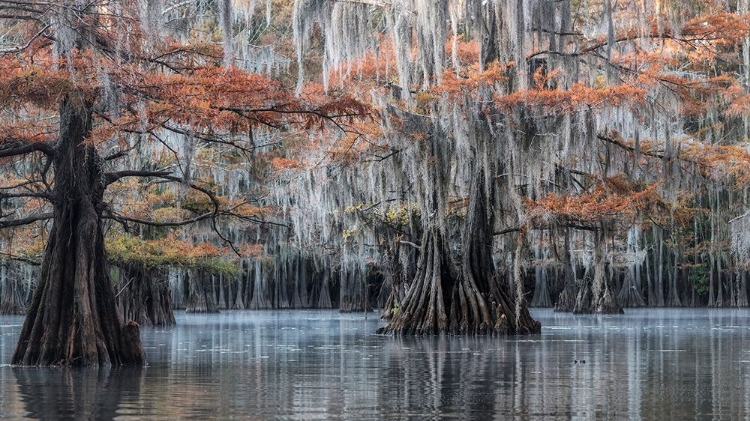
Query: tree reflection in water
[646, 364]
[80, 394]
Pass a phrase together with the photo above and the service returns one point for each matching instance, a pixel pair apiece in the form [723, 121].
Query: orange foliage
[283, 163]
[252, 250]
[471, 80]
[720, 162]
[718, 28]
[577, 97]
[740, 107]
[44, 129]
[374, 68]
[466, 51]
[170, 250]
[610, 199]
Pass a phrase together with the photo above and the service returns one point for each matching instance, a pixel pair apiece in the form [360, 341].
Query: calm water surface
[268, 365]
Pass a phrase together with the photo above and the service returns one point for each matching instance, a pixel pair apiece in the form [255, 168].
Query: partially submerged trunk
[199, 297]
[143, 297]
[353, 289]
[541, 289]
[395, 278]
[73, 317]
[595, 295]
[630, 294]
[461, 299]
[742, 293]
[566, 301]
[13, 291]
[321, 294]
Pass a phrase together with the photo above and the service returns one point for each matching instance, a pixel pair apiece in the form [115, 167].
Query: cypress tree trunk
[742, 293]
[719, 284]
[595, 296]
[541, 290]
[143, 297]
[262, 297]
[199, 297]
[673, 297]
[321, 296]
[468, 299]
[73, 317]
[11, 298]
[354, 295]
[630, 294]
[659, 267]
[238, 302]
[566, 301]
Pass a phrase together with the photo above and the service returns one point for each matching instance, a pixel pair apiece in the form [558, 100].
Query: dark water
[655, 364]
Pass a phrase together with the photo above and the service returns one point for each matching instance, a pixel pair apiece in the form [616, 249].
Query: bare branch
[17, 258]
[112, 177]
[507, 231]
[125, 219]
[30, 195]
[409, 243]
[25, 221]
[19, 147]
[28, 43]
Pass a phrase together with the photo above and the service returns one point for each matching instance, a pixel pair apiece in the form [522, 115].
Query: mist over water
[287, 365]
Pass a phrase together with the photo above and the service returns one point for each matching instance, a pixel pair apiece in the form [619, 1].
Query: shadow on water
[77, 394]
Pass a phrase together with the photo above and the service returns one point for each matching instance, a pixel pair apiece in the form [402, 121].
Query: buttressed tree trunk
[143, 297]
[566, 301]
[463, 298]
[73, 318]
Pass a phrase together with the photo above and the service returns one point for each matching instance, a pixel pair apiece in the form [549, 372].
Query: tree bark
[199, 296]
[12, 299]
[262, 289]
[566, 301]
[742, 293]
[673, 296]
[353, 289]
[541, 289]
[467, 299]
[143, 297]
[659, 267]
[630, 294]
[73, 317]
[323, 294]
[595, 296]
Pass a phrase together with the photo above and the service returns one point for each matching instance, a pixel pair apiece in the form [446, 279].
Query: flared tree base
[142, 297]
[442, 299]
[566, 301]
[604, 304]
[73, 318]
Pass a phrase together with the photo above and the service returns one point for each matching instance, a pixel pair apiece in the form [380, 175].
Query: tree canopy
[88, 89]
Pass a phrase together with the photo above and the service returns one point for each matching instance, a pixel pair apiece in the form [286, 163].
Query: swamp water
[274, 365]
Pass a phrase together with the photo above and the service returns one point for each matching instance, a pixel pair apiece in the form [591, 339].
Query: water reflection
[647, 364]
[87, 394]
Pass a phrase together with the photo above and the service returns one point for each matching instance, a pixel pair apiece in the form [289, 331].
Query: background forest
[586, 155]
